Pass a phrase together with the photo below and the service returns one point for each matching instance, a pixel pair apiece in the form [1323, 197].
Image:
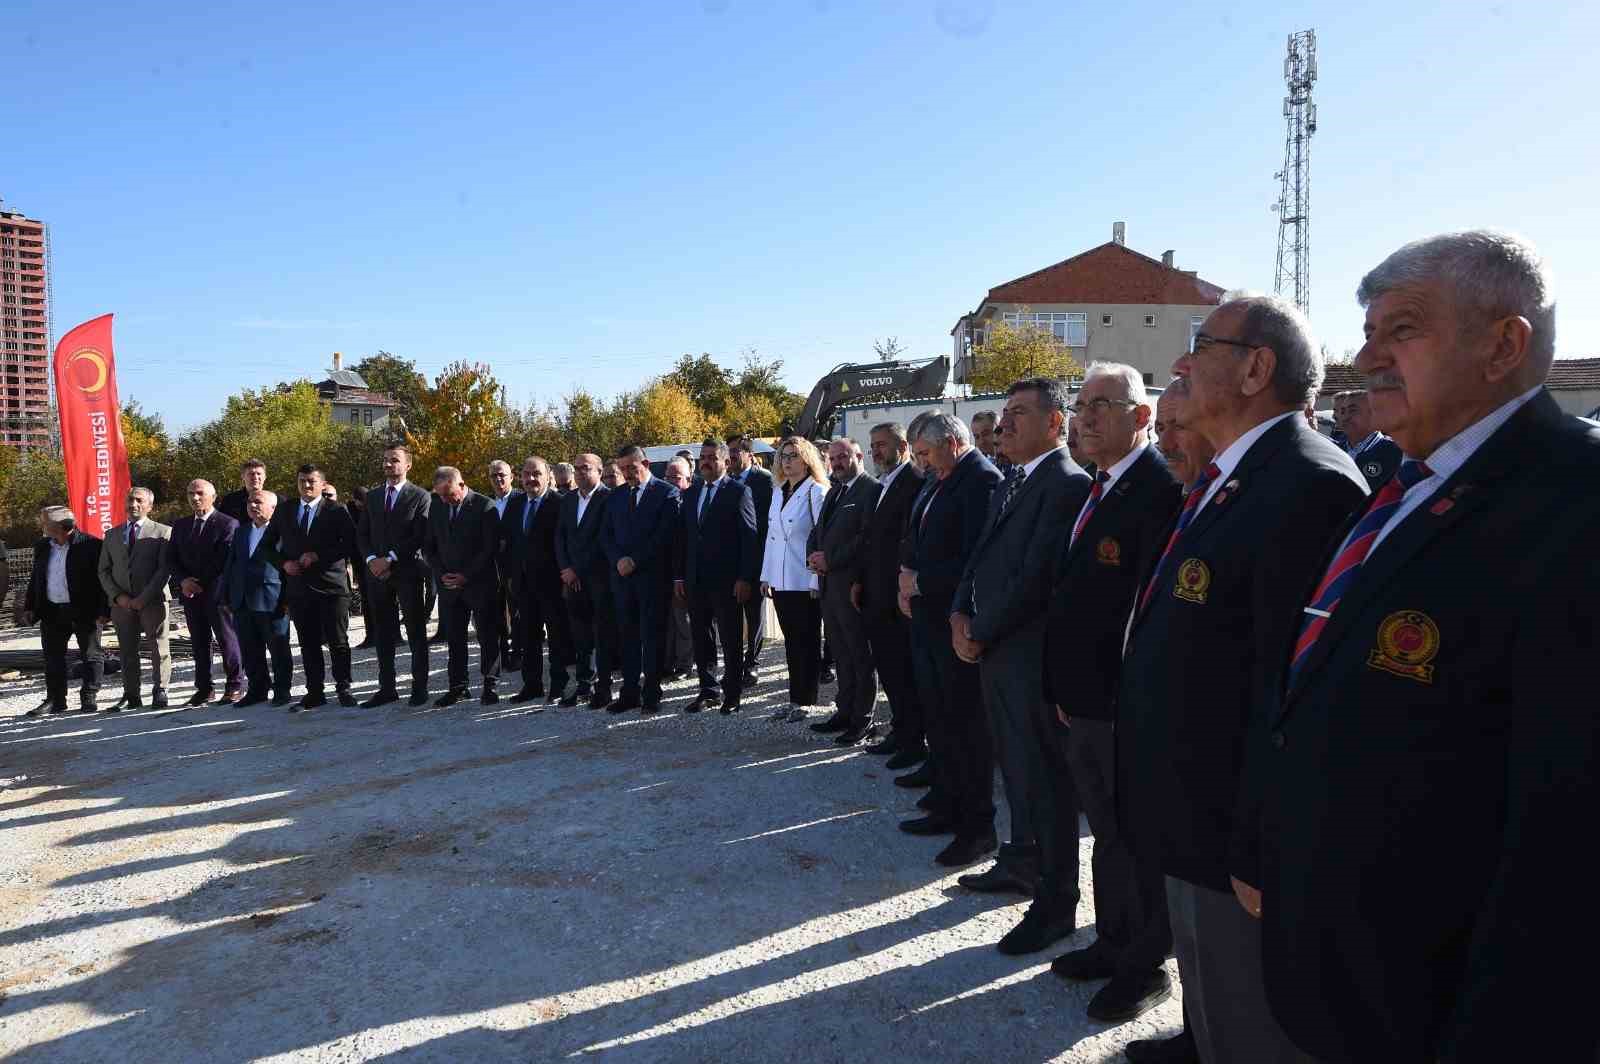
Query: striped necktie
[1191, 506]
[1347, 563]
[1095, 492]
[1014, 478]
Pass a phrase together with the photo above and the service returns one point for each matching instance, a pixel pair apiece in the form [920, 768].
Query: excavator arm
[852, 383]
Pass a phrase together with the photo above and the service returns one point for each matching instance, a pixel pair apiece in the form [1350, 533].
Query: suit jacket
[1378, 461]
[84, 590]
[1096, 582]
[332, 538]
[1005, 588]
[841, 534]
[253, 581]
[1222, 614]
[879, 574]
[719, 546]
[467, 545]
[528, 559]
[400, 532]
[1423, 790]
[143, 573]
[201, 553]
[760, 483]
[643, 533]
[578, 543]
[236, 504]
[944, 528]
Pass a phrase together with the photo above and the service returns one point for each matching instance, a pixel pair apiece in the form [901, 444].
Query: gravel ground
[483, 883]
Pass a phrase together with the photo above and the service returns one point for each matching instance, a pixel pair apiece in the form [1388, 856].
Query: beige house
[352, 402]
[1109, 303]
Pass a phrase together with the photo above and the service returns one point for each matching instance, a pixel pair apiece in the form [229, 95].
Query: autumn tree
[706, 384]
[1010, 353]
[464, 410]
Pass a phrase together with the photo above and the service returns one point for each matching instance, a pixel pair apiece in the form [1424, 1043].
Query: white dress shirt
[1113, 475]
[888, 478]
[55, 578]
[583, 502]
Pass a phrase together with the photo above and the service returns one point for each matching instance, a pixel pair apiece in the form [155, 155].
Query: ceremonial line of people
[1325, 709]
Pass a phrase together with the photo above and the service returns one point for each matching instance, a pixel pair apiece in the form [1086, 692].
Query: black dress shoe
[552, 698]
[346, 699]
[885, 746]
[928, 825]
[905, 757]
[39, 711]
[450, 697]
[282, 700]
[1127, 996]
[201, 696]
[834, 723]
[600, 699]
[827, 676]
[1002, 877]
[1039, 928]
[728, 708]
[650, 707]
[1094, 961]
[489, 697]
[967, 849]
[527, 694]
[696, 705]
[250, 698]
[928, 802]
[623, 704]
[381, 698]
[922, 777]
[419, 696]
[1179, 1049]
[750, 679]
[158, 699]
[88, 705]
[855, 735]
[570, 700]
[124, 703]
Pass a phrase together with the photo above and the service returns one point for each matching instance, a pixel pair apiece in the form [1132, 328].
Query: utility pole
[1294, 180]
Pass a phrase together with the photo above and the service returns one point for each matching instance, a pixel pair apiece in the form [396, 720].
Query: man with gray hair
[133, 572]
[463, 534]
[65, 595]
[197, 554]
[1246, 543]
[1427, 770]
[562, 474]
[1376, 455]
[502, 492]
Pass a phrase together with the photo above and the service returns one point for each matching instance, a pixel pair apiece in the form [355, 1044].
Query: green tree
[1010, 353]
[762, 377]
[664, 413]
[464, 410]
[144, 437]
[37, 479]
[706, 384]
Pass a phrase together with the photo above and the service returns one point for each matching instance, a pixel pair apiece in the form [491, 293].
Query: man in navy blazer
[197, 551]
[1425, 778]
[1376, 455]
[1208, 629]
[637, 540]
[586, 581]
[254, 599]
[528, 566]
[716, 574]
[943, 532]
[743, 468]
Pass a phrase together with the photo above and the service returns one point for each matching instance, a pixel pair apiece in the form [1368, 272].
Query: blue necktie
[529, 510]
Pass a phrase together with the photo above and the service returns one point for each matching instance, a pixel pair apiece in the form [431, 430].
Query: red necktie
[1191, 506]
[1100, 481]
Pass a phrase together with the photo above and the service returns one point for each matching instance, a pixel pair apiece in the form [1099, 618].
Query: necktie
[133, 533]
[1191, 506]
[633, 499]
[455, 510]
[1095, 492]
[305, 518]
[706, 494]
[1014, 478]
[1347, 563]
[388, 502]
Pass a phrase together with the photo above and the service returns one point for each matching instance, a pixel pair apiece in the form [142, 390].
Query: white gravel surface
[487, 883]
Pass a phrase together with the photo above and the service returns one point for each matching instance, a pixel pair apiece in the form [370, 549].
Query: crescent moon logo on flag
[98, 361]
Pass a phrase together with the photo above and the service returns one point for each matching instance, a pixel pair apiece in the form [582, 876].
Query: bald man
[197, 556]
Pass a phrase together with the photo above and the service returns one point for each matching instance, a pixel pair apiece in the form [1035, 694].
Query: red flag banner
[91, 428]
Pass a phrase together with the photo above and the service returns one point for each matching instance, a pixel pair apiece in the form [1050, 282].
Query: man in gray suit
[837, 548]
[998, 620]
[133, 571]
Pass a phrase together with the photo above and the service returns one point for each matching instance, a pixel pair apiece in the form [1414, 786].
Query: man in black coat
[998, 621]
[640, 520]
[463, 540]
[253, 590]
[877, 589]
[1208, 629]
[1425, 779]
[533, 576]
[943, 532]
[586, 582]
[1376, 455]
[1114, 538]
[837, 546]
[743, 468]
[65, 595]
[390, 539]
[197, 553]
[314, 543]
[252, 478]
[716, 574]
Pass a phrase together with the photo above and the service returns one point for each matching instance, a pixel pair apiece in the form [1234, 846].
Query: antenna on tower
[1294, 180]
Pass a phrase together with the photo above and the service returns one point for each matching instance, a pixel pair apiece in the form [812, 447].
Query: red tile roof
[1110, 273]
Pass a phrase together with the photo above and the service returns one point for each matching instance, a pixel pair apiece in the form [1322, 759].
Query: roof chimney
[338, 359]
[1119, 234]
[1166, 259]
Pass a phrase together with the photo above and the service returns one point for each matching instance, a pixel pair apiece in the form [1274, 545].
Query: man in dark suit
[640, 519]
[463, 540]
[503, 491]
[1376, 455]
[944, 528]
[252, 478]
[313, 544]
[254, 599]
[196, 554]
[998, 622]
[65, 595]
[586, 582]
[837, 546]
[877, 588]
[743, 468]
[1114, 538]
[1424, 778]
[528, 564]
[1244, 548]
[389, 542]
[716, 574]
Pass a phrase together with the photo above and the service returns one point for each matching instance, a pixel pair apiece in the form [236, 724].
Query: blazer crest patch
[1194, 581]
[1408, 641]
[1108, 552]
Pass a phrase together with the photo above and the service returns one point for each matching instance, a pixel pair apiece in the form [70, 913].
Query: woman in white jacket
[802, 485]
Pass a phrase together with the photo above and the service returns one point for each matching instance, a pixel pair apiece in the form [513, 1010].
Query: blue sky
[578, 193]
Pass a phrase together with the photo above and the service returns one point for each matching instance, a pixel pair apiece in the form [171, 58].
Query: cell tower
[1294, 180]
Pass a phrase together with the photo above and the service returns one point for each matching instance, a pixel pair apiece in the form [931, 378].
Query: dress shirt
[1033, 463]
[583, 501]
[1229, 459]
[1356, 448]
[55, 579]
[254, 539]
[888, 478]
[1112, 476]
[299, 516]
[708, 492]
[500, 504]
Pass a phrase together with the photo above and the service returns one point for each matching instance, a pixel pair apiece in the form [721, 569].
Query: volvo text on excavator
[853, 383]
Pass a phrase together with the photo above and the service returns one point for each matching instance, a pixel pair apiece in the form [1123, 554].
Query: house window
[367, 416]
[1105, 320]
[1149, 321]
[1070, 328]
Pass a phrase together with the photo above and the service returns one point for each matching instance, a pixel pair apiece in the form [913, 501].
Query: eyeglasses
[1203, 341]
[787, 455]
[1099, 406]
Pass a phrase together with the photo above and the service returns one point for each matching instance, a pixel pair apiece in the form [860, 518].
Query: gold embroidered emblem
[1194, 581]
[1108, 551]
[1408, 641]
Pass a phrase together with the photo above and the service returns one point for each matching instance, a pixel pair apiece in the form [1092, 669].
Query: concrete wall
[1149, 349]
